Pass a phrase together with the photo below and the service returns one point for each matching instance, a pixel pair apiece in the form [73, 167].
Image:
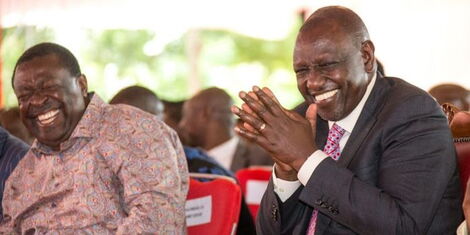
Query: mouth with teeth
[47, 118]
[325, 96]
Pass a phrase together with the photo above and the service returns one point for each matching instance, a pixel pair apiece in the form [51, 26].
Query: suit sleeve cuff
[309, 166]
[283, 188]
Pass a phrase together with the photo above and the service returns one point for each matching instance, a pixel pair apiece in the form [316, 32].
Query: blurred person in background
[453, 94]
[141, 98]
[208, 123]
[459, 122]
[12, 151]
[10, 120]
[172, 113]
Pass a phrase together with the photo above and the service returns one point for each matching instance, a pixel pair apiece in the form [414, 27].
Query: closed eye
[300, 70]
[328, 64]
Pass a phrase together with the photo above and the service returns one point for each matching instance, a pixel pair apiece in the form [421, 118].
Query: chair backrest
[212, 207]
[253, 182]
[463, 153]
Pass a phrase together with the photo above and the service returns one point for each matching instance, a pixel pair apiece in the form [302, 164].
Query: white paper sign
[198, 211]
[255, 190]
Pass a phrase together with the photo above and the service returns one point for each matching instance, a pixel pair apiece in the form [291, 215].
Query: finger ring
[262, 127]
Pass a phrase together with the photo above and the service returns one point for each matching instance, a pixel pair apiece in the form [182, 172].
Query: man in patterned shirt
[93, 168]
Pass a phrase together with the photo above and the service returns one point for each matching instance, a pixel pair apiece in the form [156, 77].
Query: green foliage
[114, 59]
[14, 42]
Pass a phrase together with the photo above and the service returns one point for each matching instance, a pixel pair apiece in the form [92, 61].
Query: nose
[37, 99]
[315, 81]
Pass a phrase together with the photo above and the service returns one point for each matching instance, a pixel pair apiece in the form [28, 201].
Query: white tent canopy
[425, 42]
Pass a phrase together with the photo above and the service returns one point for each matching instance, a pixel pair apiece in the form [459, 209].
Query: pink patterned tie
[333, 150]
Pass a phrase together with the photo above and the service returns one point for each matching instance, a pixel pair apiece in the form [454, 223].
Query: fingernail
[255, 88]
[242, 94]
[235, 109]
[237, 129]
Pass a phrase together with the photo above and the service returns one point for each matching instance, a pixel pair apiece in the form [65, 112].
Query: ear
[82, 82]
[368, 56]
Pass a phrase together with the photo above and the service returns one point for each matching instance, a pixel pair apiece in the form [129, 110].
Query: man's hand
[289, 137]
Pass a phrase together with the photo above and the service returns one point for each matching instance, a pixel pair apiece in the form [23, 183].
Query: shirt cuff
[306, 170]
[462, 229]
[283, 188]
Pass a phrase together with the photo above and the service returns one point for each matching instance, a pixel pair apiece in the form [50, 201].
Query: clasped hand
[286, 135]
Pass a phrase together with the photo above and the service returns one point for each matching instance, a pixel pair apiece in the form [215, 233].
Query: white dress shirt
[462, 229]
[223, 153]
[283, 188]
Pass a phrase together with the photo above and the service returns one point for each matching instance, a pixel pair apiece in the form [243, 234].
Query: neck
[216, 137]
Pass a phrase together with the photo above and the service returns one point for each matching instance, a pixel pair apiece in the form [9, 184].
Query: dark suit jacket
[248, 154]
[397, 173]
[12, 151]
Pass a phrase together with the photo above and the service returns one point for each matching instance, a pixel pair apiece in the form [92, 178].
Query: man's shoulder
[400, 96]
[128, 123]
[405, 105]
[128, 117]
[400, 88]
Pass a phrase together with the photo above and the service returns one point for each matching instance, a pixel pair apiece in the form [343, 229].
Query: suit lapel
[366, 121]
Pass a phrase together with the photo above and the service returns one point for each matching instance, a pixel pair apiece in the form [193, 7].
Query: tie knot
[337, 130]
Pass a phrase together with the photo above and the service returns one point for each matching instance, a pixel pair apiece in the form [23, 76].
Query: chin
[330, 115]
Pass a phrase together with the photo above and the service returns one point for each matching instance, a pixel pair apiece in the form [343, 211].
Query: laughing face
[331, 70]
[51, 100]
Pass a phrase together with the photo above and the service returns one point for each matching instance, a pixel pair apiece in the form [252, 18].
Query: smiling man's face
[330, 70]
[51, 100]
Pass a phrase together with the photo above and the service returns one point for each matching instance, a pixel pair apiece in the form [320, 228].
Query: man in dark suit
[388, 166]
[208, 123]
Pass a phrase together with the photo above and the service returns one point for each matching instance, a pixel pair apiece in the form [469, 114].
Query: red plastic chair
[463, 154]
[212, 207]
[253, 182]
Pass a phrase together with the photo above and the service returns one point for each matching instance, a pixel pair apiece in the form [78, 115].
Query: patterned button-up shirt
[122, 171]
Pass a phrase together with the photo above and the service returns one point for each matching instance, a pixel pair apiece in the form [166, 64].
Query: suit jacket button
[333, 210]
[324, 205]
[274, 213]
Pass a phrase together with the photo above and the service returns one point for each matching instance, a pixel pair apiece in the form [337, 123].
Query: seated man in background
[172, 113]
[452, 94]
[459, 122]
[208, 123]
[198, 160]
[93, 168]
[10, 120]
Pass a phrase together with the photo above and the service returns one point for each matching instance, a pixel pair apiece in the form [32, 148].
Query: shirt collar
[349, 121]
[87, 128]
[227, 146]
